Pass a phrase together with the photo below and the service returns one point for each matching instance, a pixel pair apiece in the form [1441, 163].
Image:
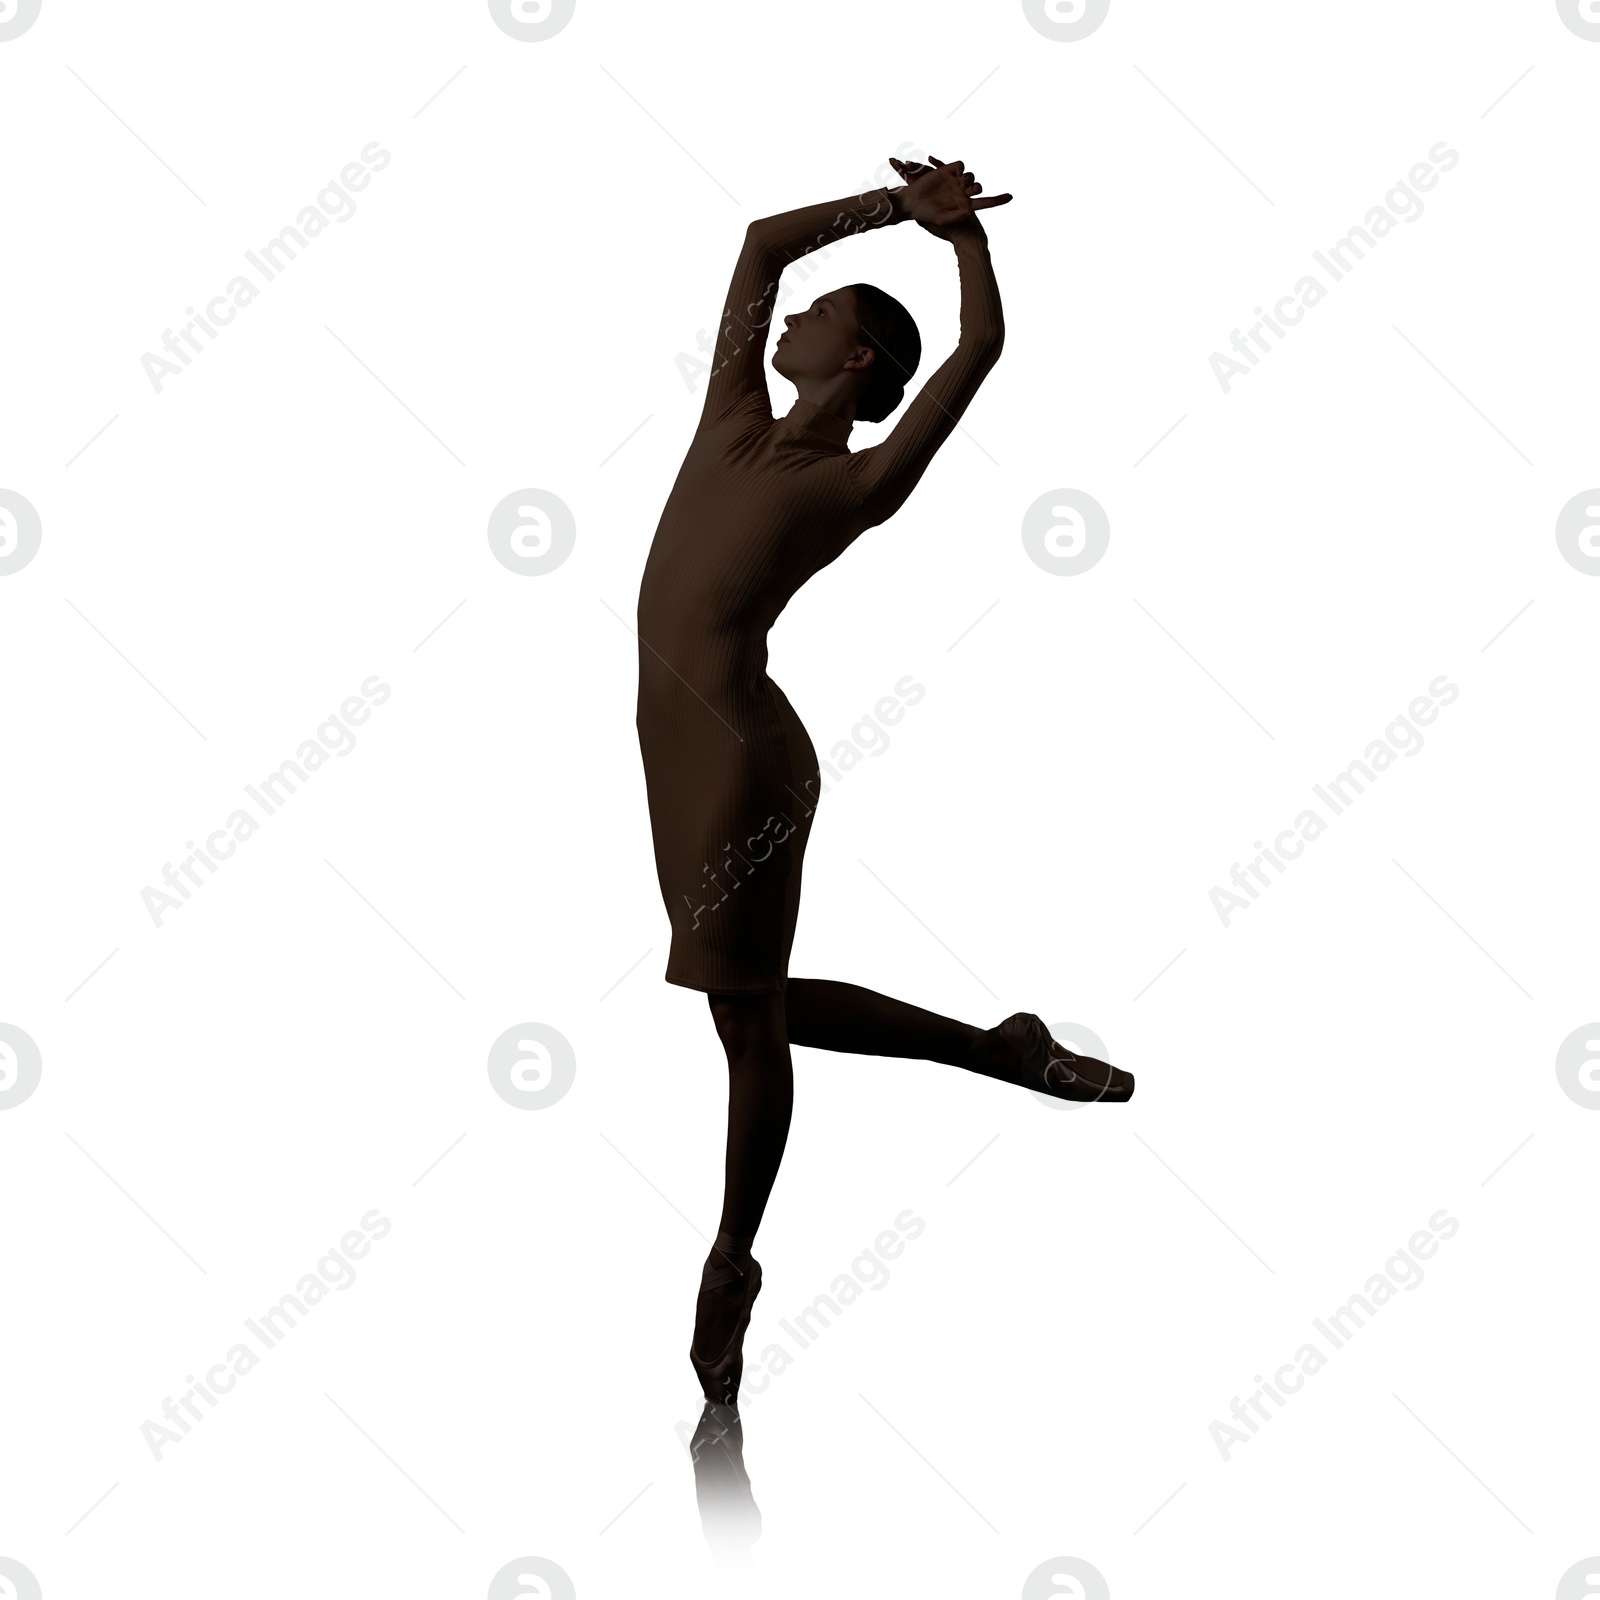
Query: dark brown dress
[760, 505]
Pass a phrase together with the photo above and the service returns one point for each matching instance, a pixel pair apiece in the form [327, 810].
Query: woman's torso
[759, 506]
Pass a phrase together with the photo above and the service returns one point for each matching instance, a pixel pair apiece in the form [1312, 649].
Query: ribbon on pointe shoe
[724, 1264]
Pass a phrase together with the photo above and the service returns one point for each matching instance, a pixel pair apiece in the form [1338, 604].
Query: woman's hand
[939, 197]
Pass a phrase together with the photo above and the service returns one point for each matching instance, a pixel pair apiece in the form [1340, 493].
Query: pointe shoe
[719, 1378]
[1050, 1068]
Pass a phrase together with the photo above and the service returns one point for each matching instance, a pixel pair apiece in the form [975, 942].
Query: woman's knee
[748, 1022]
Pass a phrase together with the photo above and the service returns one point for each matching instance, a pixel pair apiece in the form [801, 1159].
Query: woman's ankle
[729, 1251]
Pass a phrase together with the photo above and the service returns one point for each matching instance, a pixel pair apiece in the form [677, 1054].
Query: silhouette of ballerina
[760, 506]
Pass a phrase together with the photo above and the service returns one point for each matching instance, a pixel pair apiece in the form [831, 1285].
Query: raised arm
[770, 244]
[886, 473]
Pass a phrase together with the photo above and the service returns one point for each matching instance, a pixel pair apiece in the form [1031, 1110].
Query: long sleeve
[887, 473]
[770, 244]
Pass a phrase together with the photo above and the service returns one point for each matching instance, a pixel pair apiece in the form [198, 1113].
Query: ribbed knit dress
[760, 505]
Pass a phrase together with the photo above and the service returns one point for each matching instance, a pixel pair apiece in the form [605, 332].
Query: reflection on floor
[729, 1517]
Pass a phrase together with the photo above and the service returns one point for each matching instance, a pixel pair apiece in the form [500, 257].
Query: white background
[225, 1095]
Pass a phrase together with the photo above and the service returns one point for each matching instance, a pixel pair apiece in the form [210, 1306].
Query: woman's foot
[716, 1313]
[1021, 1051]
[728, 1289]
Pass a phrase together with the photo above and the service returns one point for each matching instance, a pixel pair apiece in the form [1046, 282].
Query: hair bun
[879, 401]
[888, 328]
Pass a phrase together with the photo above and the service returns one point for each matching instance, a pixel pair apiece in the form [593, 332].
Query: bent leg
[844, 1016]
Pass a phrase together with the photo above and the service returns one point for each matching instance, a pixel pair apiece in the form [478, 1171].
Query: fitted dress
[760, 505]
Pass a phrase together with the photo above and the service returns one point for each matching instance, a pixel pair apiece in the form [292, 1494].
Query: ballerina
[761, 505]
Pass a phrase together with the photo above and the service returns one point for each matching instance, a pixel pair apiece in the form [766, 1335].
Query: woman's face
[821, 341]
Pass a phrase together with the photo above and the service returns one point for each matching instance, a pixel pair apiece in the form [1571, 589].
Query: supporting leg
[760, 1104]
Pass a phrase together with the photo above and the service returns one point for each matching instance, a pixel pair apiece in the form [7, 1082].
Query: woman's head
[857, 332]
